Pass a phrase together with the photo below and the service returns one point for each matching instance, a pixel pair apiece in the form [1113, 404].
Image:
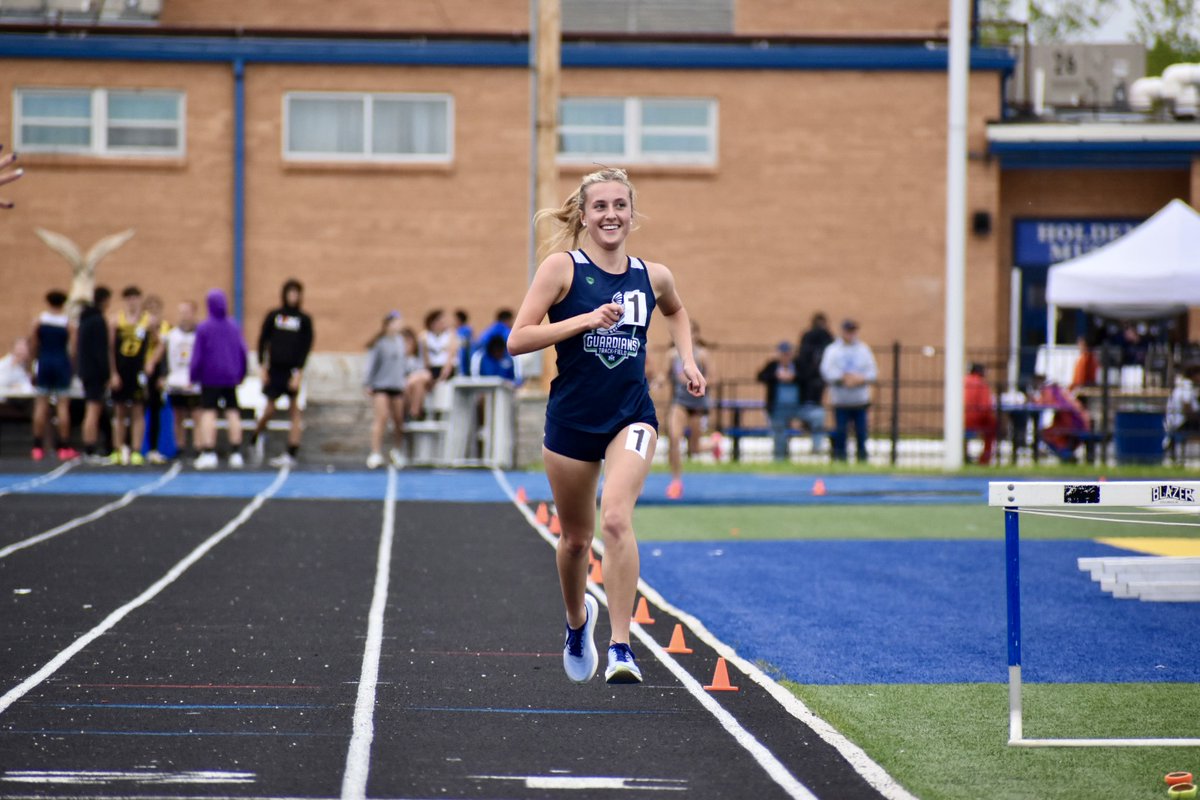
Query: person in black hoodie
[93, 368]
[283, 347]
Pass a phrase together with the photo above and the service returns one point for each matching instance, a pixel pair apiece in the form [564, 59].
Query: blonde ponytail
[568, 218]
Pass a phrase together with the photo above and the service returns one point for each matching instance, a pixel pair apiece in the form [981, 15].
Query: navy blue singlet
[601, 384]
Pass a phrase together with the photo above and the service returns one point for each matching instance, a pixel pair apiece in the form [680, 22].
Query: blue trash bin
[1138, 437]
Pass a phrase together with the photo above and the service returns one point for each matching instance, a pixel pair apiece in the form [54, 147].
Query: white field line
[107, 508]
[358, 756]
[863, 764]
[765, 758]
[41, 480]
[107, 624]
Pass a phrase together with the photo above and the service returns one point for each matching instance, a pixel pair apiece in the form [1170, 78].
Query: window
[108, 122]
[647, 130]
[347, 126]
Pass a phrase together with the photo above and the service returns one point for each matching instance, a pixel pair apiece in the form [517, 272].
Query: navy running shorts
[584, 445]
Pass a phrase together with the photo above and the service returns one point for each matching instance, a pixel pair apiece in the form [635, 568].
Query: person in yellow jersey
[131, 341]
[157, 329]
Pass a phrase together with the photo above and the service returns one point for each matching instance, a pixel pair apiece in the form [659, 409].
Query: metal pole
[1014, 329]
[239, 189]
[1012, 575]
[895, 402]
[956, 231]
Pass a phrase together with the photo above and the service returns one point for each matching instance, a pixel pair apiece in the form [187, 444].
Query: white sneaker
[236, 461]
[398, 460]
[580, 658]
[622, 666]
[155, 457]
[374, 461]
[282, 460]
[205, 461]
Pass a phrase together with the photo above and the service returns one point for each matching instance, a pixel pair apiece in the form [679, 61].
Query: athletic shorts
[388, 392]
[53, 377]
[585, 445]
[215, 397]
[436, 371]
[277, 383]
[185, 402]
[131, 391]
[95, 391]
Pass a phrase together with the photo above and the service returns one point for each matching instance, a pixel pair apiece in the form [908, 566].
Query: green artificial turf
[936, 521]
[949, 741]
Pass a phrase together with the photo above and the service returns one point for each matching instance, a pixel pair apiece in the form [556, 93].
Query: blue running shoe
[622, 666]
[580, 658]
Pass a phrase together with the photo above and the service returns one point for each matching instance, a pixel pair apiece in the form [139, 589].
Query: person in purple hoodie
[219, 366]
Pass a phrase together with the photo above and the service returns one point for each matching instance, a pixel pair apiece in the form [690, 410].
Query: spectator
[218, 366]
[849, 368]
[14, 370]
[687, 412]
[502, 326]
[491, 359]
[183, 394]
[812, 385]
[417, 383]
[1182, 420]
[53, 342]
[8, 174]
[130, 349]
[438, 346]
[385, 374]
[1086, 367]
[783, 396]
[464, 332]
[95, 369]
[283, 346]
[1069, 419]
[157, 329]
[979, 410]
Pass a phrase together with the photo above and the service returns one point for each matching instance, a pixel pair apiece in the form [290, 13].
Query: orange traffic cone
[542, 515]
[721, 679]
[677, 644]
[642, 615]
[819, 488]
[555, 525]
[597, 573]
[522, 498]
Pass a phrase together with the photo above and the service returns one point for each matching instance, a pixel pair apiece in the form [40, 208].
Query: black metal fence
[906, 416]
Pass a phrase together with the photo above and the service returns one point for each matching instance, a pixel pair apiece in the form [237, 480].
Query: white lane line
[41, 480]
[863, 764]
[56, 663]
[107, 508]
[765, 758]
[358, 756]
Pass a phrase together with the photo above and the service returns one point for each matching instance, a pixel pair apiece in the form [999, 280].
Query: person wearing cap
[848, 367]
[782, 379]
[384, 378]
[284, 343]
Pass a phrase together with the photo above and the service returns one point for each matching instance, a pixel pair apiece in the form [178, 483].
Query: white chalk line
[103, 510]
[41, 480]
[358, 756]
[56, 663]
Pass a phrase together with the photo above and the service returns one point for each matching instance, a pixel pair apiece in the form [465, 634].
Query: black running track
[240, 679]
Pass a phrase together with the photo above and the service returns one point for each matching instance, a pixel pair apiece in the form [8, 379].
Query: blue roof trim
[491, 53]
[1096, 155]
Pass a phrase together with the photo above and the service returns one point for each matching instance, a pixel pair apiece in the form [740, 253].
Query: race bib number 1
[638, 440]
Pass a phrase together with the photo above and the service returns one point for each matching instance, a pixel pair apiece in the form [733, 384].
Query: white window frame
[367, 156]
[99, 123]
[634, 129]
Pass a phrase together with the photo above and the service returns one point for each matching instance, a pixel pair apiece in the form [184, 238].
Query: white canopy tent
[1152, 271]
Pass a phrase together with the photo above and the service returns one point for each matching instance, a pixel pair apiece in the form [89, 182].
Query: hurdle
[1065, 496]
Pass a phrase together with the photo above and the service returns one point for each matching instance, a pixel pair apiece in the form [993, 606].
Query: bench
[425, 438]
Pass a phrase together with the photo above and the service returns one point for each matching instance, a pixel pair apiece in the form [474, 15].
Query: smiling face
[607, 213]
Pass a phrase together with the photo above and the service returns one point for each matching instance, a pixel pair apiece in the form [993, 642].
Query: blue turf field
[856, 612]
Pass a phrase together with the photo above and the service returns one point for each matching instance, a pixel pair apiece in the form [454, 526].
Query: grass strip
[949, 741]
